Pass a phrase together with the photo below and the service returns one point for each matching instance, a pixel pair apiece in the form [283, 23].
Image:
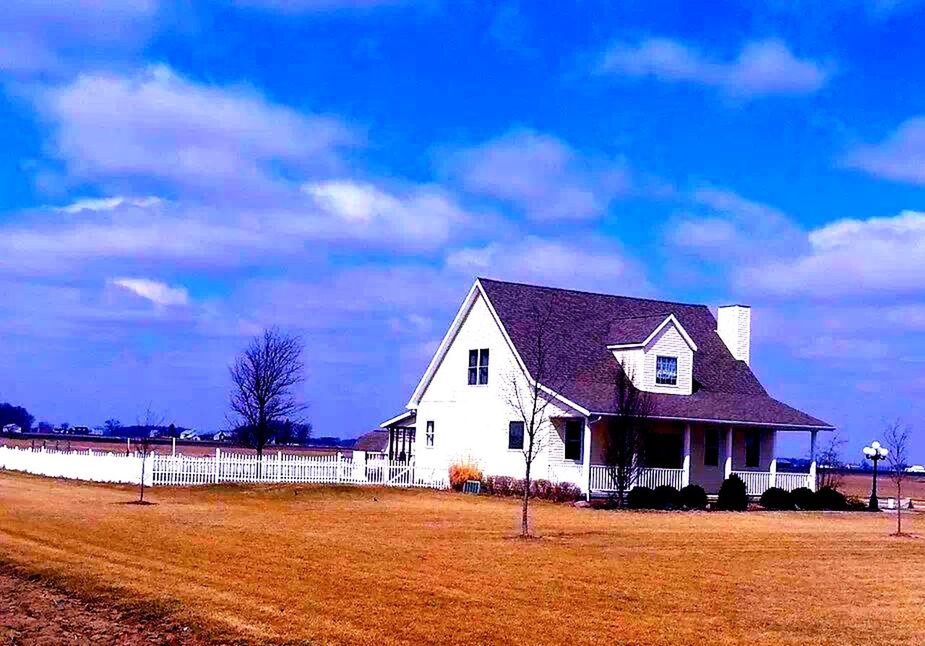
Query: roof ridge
[590, 293]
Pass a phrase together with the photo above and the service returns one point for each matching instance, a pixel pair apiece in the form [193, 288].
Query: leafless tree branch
[265, 377]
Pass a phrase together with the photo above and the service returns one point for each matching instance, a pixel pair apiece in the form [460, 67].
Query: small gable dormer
[657, 353]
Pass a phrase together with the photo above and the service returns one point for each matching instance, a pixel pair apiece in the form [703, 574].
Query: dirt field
[335, 565]
[35, 613]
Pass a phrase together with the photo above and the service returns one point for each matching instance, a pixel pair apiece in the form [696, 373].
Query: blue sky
[176, 175]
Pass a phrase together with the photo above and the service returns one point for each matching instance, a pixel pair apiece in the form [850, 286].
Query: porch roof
[581, 324]
[406, 419]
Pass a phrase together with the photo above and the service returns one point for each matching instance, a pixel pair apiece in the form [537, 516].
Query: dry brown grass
[387, 567]
[858, 484]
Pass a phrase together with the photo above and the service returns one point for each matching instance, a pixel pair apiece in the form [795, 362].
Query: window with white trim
[573, 435]
[429, 436]
[666, 371]
[515, 435]
[478, 367]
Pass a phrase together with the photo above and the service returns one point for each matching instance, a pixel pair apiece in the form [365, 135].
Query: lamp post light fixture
[874, 453]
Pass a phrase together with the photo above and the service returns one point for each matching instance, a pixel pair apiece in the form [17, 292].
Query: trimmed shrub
[733, 495]
[460, 474]
[565, 492]
[517, 487]
[803, 498]
[693, 497]
[777, 499]
[499, 485]
[541, 489]
[640, 498]
[831, 500]
[667, 497]
[856, 504]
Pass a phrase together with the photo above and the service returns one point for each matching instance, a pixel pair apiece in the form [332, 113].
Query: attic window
[478, 367]
[666, 371]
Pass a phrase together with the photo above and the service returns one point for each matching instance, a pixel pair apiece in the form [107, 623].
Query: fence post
[773, 482]
[218, 457]
[339, 476]
[279, 466]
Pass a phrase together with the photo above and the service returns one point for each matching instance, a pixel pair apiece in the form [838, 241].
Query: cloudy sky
[176, 175]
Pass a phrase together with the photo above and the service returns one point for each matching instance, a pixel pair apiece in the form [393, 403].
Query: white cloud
[735, 228]
[761, 68]
[874, 258]
[154, 291]
[420, 217]
[900, 157]
[539, 174]
[107, 204]
[580, 264]
[158, 126]
[35, 34]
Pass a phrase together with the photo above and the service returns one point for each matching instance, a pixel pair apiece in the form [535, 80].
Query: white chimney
[734, 326]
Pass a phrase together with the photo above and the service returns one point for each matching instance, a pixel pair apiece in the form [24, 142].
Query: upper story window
[515, 435]
[666, 371]
[478, 367]
[429, 436]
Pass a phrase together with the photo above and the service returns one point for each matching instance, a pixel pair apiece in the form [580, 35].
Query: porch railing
[757, 482]
[791, 481]
[655, 477]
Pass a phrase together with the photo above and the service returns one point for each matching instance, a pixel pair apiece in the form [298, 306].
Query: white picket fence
[95, 466]
[224, 467]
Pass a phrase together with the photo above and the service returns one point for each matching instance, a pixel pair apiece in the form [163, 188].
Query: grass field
[370, 566]
[858, 484]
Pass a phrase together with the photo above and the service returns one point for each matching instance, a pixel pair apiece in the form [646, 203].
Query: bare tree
[264, 377]
[626, 432]
[830, 472]
[530, 401]
[143, 445]
[896, 436]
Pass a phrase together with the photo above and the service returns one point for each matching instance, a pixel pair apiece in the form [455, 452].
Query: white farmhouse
[710, 415]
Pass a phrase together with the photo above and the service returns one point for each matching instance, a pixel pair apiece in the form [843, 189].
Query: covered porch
[679, 453]
[402, 430]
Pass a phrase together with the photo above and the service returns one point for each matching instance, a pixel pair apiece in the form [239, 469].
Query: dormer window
[666, 371]
[478, 367]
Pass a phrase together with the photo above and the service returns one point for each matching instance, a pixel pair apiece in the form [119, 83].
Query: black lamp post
[874, 453]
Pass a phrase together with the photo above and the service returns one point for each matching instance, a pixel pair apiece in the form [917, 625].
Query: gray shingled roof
[576, 328]
[376, 441]
[634, 330]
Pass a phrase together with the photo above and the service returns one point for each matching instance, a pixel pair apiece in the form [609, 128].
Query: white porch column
[586, 459]
[728, 469]
[773, 466]
[686, 463]
[812, 460]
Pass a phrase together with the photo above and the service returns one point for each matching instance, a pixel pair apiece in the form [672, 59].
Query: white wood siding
[471, 422]
[669, 343]
[640, 362]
